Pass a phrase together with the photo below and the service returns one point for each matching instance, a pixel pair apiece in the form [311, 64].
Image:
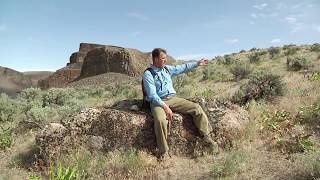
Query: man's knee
[197, 108]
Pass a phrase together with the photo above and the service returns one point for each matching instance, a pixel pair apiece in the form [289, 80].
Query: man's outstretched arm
[183, 68]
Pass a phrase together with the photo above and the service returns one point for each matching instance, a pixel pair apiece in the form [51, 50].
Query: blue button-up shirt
[161, 85]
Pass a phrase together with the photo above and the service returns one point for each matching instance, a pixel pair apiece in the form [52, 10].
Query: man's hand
[168, 112]
[203, 62]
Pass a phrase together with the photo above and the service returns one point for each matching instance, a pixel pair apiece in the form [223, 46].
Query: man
[161, 95]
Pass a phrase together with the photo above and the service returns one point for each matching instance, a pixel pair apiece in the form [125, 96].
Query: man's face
[161, 61]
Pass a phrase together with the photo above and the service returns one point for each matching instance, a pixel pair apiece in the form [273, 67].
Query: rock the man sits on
[163, 100]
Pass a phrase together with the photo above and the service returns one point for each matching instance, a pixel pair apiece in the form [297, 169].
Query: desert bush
[240, 70]
[128, 162]
[255, 57]
[307, 165]
[291, 50]
[315, 76]
[8, 108]
[274, 51]
[217, 73]
[261, 85]
[207, 94]
[6, 137]
[232, 164]
[225, 60]
[287, 46]
[253, 49]
[181, 81]
[315, 47]
[297, 63]
[59, 172]
[90, 165]
[228, 60]
[311, 114]
[57, 96]
[242, 51]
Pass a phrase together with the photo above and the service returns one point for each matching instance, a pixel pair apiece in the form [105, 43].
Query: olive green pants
[179, 105]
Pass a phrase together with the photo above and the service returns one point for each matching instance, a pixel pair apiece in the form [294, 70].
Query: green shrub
[240, 70]
[181, 81]
[297, 63]
[311, 114]
[287, 46]
[232, 164]
[261, 85]
[90, 165]
[274, 51]
[8, 108]
[207, 94]
[255, 57]
[225, 60]
[57, 96]
[253, 49]
[315, 76]
[242, 51]
[6, 138]
[315, 47]
[63, 173]
[291, 50]
[216, 74]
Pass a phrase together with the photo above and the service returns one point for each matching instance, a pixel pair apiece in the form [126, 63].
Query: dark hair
[156, 52]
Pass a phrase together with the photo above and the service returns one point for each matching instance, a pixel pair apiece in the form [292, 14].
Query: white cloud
[253, 15]
[276, 41]
[291, 20]
[260, 6]
[138, 16]
[3, 27]
[231, 41]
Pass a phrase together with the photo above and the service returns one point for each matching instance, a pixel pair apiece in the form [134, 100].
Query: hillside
[263, 106]
[12, 82]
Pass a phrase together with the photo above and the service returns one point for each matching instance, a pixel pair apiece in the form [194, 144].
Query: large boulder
[95, 59]
[12, 82]
[116, 59]
[124, 126]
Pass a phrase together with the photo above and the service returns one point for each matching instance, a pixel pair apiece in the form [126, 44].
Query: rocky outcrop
[12, 82]
[116, 59]
[78, 57]
[95, 59]
[72, 70]
[124, 126]
[61, 77]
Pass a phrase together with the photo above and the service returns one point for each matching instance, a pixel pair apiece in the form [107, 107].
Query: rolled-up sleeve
[150, 88]
[183, 68]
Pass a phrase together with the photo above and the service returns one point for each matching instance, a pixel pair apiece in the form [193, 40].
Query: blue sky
[42, 34]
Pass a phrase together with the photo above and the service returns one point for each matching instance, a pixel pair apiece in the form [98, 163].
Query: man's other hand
[203, 62]
[168, 112]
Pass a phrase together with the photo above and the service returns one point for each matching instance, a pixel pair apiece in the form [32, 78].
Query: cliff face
[71, 71]
[12, 82]
[95, 59]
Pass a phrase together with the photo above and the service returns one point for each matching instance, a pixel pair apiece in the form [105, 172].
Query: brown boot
[207, 139]
[165, 156]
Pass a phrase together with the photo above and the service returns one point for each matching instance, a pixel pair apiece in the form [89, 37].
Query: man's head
[159, 57]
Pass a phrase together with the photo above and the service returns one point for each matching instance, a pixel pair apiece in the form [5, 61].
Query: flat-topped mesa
[115, 59]
[95, 59]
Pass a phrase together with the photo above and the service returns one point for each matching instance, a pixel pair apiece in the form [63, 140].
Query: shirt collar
[155, 67]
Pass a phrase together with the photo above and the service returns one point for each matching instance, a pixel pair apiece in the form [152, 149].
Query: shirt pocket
[158, 82]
